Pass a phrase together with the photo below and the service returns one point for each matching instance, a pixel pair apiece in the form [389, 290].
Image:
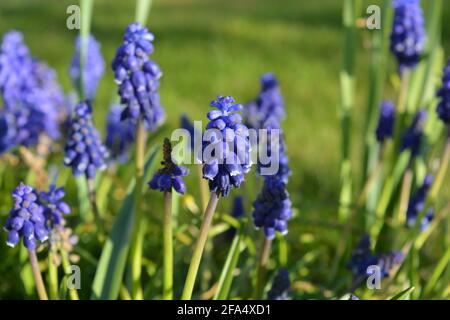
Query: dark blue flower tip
[226, 148]
[138, 77]
[385, 127]
[26, 218]
[272, 208]
[443, 107]
[238, 207]
[412, 137]
[280, 286]
[120, 135]
[84, 152]
[93, 69]
[417, 203]
[408, 34]
[268, 104]
[171, 175]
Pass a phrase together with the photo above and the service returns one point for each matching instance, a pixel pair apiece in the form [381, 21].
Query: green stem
[142, 10]
[93, 201]
[199, 246]
[437, 272]
[37, 275]
[52, 276]
[136, 243]
[168, 248]
[441, 172]
[262, 268]
[203, 188]
[67, 271]
[86, 15]
[404, 197]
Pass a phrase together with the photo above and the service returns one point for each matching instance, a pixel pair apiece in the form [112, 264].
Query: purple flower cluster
[93, 69]
[362, 258]
[272, 207]
[408, 33]
[84, 152]
[413, 136]
[226, 147]
[119, 134]
[171, 175]
[280, 286]
[138, 77]
[417, 203]
[443, 108]
[55, 207]
[386, 121]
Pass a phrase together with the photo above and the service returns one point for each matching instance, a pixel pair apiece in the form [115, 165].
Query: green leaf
[403, 295]
[111, 266]
[440, 268]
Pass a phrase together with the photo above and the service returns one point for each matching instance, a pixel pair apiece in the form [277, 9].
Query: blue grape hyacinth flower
[272, 208]
[226, 147]
[119, 134]
[408, 34]
[93, 69]
[417, 203]
[386, 121]
[280, 286]
[84, 152]
[138, 77]
[55, 207]
[26, 218]
[443, 108]
[170, 176]
[413, 136]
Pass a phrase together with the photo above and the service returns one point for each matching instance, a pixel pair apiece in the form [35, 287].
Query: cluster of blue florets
[417, 204]
[120, 134]
[280, 286]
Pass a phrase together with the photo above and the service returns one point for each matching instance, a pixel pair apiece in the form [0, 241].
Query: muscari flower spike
[408, 34]
[55, 207]
[84, 152]
[443, 108]
[26, 219]
[93, 69]
[413, 136]
[171, 175]
[268, 104]
[417, 203]
[280, 286]
[119, 134]
[272, 208]
[138, 77]
[385, 127]
[226, 147]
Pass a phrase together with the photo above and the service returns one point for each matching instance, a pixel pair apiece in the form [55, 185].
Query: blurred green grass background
[211, 47]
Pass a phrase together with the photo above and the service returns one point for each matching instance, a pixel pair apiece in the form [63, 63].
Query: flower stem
[404, 196]
[93, 201]
[199, 246]
[441, 172]
[52, 276]
[37, 275]
[262, 268]
[73, 293]
[203, 188]
[136, 243]
[168, 248]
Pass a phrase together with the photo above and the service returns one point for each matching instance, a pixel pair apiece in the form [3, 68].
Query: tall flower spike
[171, 175]
[119, 134]
[408, 33]
[26, 218]
[226, 147]
[138, 77]
[443, 108]
[417, 203]
[93, 69]
[268, 104]
[385, 127]
[413, 136]
[272, 208]
[84, 152]
[280, 286]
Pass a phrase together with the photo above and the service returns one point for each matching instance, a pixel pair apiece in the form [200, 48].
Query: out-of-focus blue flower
[272, 208]
[226, 147]
[84, 152]
[269, 104]
[171, 175]
[55, 207]
[353, 297]
[237, 211]
[93, 69]
[443, 108]
[412, 137]
[280, 286]
[26, 218]
[417, 203]
[186, 124]
[385, 127]
[362, 258]
[138, 77]
[119, 134]
[408, 33]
